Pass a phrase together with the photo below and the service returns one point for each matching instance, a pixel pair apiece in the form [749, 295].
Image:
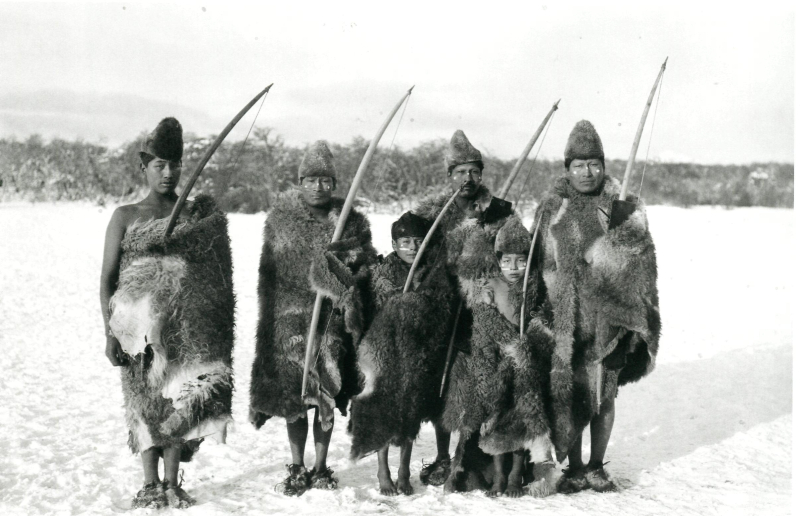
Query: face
[407, 247]
[317, 190]
[466, 179]
[586, 175]
[513, 266]
[162, 175]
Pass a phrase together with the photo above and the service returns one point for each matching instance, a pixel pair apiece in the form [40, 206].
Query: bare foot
[404, 485]
[498, 487]
[387, 487]
[514, 489]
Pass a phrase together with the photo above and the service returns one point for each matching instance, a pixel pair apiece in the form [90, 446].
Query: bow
[176, 210]
[620, 208]
[337, 233]
[512, 176]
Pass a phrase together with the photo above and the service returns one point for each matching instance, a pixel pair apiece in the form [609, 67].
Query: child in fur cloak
[168, 310]
[496, 391]
[601, 284]
[475, 214]
[402, 354]
[297, 261]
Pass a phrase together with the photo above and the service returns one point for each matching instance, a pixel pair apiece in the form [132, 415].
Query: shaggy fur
[602, 286]
[461, 151]
[583, 143]
[317, 161]
[166, 141]
[293, 238]
[402, 355]
[184, 378]
[512, 238]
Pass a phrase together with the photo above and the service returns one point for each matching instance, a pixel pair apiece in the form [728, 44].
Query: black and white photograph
[424, 258]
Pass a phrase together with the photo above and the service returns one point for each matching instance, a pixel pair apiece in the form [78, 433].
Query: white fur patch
[178, 377]
[540, 448]
[130, 323]
[216, 428]
[143, 437]
[369, 368]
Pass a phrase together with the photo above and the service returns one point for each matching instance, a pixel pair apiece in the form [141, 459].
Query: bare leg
[404, 471]
[574, 455]
[298, 433]
[322, 439]
[172, 463]
[384, 475]
[442, 442]
[500, 480]
[600, 429]
[150, 465]
[514, 488]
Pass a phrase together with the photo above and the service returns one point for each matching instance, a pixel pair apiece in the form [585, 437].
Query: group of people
[518, 370]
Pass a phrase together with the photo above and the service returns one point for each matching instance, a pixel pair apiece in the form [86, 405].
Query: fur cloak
[401, 355]
[601, 285]
[297, 260]
[173, 314]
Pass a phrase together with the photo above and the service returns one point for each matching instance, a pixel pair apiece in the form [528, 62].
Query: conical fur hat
[318, 161]
[583, 143]
[512, 238]
[461, 151]
[166, 140]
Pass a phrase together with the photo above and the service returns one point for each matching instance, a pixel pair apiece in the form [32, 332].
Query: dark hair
[146, 157]
[454, 165]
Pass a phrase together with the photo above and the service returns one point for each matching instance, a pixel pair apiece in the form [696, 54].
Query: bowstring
[530, 168]
[241, 147]
[650, 139]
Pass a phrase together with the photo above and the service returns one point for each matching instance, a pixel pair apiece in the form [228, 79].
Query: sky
[109, 71]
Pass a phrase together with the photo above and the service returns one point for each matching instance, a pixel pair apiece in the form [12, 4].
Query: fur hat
[461, 151]
[410, 225]
[318, 161]
[583, 143]
[512, 238]
[165, 142]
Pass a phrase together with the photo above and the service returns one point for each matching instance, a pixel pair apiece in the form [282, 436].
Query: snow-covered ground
[709, 432]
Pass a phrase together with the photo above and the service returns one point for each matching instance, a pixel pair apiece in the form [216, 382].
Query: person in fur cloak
[297, 261]
[168, 309]
[495, 395]
[477, 215]
[601, 285]
[402, 354]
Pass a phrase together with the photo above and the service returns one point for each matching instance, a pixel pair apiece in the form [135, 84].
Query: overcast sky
[109, 71]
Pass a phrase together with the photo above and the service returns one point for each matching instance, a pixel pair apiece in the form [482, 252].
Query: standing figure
[601, 285]
[475, 215]
[497, 390]
[402, 353]
[168, 309]
[297, 261]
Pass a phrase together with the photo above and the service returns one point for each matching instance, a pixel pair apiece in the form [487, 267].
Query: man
[168, 310]
[297, 261]
[477, 217]
[402, 353]
[601, 285]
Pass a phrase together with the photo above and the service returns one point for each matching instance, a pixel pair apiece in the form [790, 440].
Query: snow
[709, 432]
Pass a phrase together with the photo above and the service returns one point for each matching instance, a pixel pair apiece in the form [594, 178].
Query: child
[174, 345]
[297, 261]
[496, 388]
[397, 393]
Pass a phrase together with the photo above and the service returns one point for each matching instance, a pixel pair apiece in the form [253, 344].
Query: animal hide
[173, 312]
[287, 287]
[601, 285]
[401, 357]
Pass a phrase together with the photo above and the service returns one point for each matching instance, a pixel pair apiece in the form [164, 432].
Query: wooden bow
[337, 233]
[176, 210]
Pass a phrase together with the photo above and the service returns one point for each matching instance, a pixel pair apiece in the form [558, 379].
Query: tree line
[245, 178]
